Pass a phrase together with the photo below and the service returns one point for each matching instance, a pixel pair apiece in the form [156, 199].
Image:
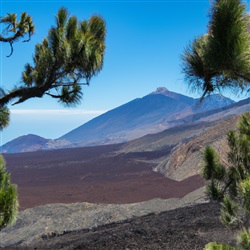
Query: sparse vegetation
[8, 197]
[230, 185]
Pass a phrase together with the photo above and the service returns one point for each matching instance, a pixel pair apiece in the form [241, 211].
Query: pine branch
[23, 94]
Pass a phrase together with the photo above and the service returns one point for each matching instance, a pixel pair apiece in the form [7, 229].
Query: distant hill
[150, 114]
[24, 144]
[29, 143]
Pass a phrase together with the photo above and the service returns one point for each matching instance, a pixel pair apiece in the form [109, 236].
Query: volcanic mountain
[150, 114]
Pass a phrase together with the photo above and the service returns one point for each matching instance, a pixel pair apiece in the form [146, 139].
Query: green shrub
[8, 197]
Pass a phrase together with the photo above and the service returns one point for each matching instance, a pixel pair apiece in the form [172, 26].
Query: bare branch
[11, 49]
[54, 96]
[68, 84]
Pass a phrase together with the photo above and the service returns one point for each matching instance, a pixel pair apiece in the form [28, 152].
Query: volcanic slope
[183, 228]
[141, 116]
[189, 227]
[185, 143]
[132, 120]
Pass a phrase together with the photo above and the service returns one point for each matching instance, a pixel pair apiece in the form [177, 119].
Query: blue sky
[145, 40]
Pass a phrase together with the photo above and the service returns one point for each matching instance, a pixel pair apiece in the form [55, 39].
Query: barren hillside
[186, 160]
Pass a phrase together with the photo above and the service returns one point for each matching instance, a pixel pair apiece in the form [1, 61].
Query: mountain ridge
[149, 114]
[159, 110]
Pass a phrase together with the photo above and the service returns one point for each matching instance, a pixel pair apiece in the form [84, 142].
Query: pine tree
[231, 185]
[8, 197]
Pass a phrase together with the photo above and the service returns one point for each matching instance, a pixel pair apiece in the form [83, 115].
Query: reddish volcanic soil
[91, 174]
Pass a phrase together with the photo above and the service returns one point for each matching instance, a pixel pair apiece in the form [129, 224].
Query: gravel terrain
[189, 227]
[58, 218]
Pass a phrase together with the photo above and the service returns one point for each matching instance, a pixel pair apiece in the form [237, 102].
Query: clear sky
[145, 40]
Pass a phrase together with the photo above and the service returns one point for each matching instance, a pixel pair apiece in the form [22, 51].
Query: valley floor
[93, 174]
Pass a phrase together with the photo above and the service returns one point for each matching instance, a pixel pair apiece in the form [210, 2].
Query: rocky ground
[187, 223]
[189, 227]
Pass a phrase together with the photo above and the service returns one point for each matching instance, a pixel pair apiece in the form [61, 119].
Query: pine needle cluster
[221, 58]
[230, 185]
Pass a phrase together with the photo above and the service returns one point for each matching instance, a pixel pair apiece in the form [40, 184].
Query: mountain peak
[160, 90]
[178, 97]
[168, 93]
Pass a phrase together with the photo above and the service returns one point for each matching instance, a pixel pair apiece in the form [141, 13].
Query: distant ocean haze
[46, 123]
